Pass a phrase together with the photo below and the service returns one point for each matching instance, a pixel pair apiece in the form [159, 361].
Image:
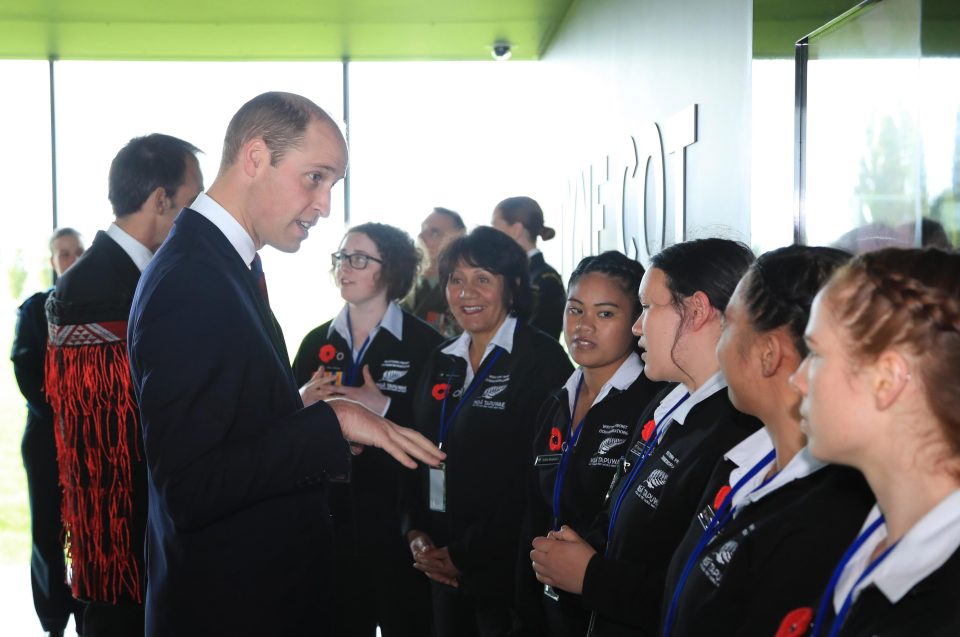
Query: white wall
[623, 64]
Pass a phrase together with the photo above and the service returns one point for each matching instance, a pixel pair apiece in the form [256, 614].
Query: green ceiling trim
[279, 30]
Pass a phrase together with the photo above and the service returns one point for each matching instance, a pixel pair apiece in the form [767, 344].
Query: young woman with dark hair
[881, 393]
[584, 427]
[759, 542]
[371, 352]
[521, 218]
[478, 399]
[686, 429]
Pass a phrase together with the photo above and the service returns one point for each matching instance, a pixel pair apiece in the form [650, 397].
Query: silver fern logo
[656, 479]
[610, 443]
[725, 553]
[491, 392]
[393, 375]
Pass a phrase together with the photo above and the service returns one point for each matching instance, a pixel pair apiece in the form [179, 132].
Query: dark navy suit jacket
[239, 540]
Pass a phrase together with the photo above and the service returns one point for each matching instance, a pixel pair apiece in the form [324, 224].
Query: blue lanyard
[831, 587]
[653, 441]
[444, 421]
[565, 452]
[355, 365]
[720, 518]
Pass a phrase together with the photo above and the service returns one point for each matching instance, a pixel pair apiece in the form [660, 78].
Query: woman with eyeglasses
[686, 428]
[478, 399]
[881, 393]
[584, 427]
[773, 519]
[371, 352]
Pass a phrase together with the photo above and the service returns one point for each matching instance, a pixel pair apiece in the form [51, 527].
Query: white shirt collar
[751, 451]
[628, 372]
[137, 252]
[228, 225]
[533, 252]
[714, 384]
[392, 321]
[503, 338]
[746, 454]
[924, 549]
[800, 466]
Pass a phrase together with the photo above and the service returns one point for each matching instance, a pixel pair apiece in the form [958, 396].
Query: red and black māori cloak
[99, 450]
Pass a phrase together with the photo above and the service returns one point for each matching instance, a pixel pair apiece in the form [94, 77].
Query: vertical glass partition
[876, 131]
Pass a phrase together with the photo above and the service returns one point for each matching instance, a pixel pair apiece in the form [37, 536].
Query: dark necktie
[256, 267]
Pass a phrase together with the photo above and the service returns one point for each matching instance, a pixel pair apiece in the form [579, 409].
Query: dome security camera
[501, 51]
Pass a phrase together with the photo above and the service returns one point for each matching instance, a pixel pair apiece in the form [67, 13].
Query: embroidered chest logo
[393, 375]
[656, 479]
[608, 444]
[490, 392]
[327, 353]
[556, 439]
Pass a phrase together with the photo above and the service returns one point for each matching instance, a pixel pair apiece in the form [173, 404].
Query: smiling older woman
[478, 399]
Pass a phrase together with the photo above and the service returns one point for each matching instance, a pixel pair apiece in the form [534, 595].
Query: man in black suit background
[87, 381]
[239, 538]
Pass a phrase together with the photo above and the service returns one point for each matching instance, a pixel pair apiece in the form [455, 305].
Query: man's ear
[158, 200]
[254, 156]
[891, 373]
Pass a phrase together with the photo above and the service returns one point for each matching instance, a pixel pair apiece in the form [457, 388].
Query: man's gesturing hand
[361, 426]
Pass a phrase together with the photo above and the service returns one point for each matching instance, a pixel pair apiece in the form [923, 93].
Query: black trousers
[458, 615]
[381, 590]
[52, 598]
[108, 620]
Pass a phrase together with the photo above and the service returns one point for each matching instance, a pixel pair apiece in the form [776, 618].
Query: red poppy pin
[647, 430]
[796, 623]
[718, 499]
[440, 390]
[556, 439]
[327, 352]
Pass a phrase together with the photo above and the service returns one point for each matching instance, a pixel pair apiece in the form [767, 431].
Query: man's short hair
[280, 119]
[145, 164]
[60, 233]
[453, 216]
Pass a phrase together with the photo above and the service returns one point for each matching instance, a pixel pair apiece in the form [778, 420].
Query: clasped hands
[323, 386]
[560, 559]
[433, 562]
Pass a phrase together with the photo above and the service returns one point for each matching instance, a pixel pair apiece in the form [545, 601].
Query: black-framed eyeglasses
[357, 260]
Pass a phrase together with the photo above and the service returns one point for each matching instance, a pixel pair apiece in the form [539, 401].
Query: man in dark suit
[99, 450]
[52, 598]
[239, 537]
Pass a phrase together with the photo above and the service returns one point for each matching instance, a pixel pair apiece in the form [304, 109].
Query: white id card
[438, 488]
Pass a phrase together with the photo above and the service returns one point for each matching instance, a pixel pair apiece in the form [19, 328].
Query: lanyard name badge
[354, 371]
[723, 515]
[566, 449]
[438, 474]
[835, 578]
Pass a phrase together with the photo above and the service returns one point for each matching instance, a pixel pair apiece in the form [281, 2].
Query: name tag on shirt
[438, 488]
[547, 460]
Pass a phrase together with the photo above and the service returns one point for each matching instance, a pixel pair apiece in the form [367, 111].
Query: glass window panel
[864, 186]
[25, 259]
[771, 182]
[462, 135]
